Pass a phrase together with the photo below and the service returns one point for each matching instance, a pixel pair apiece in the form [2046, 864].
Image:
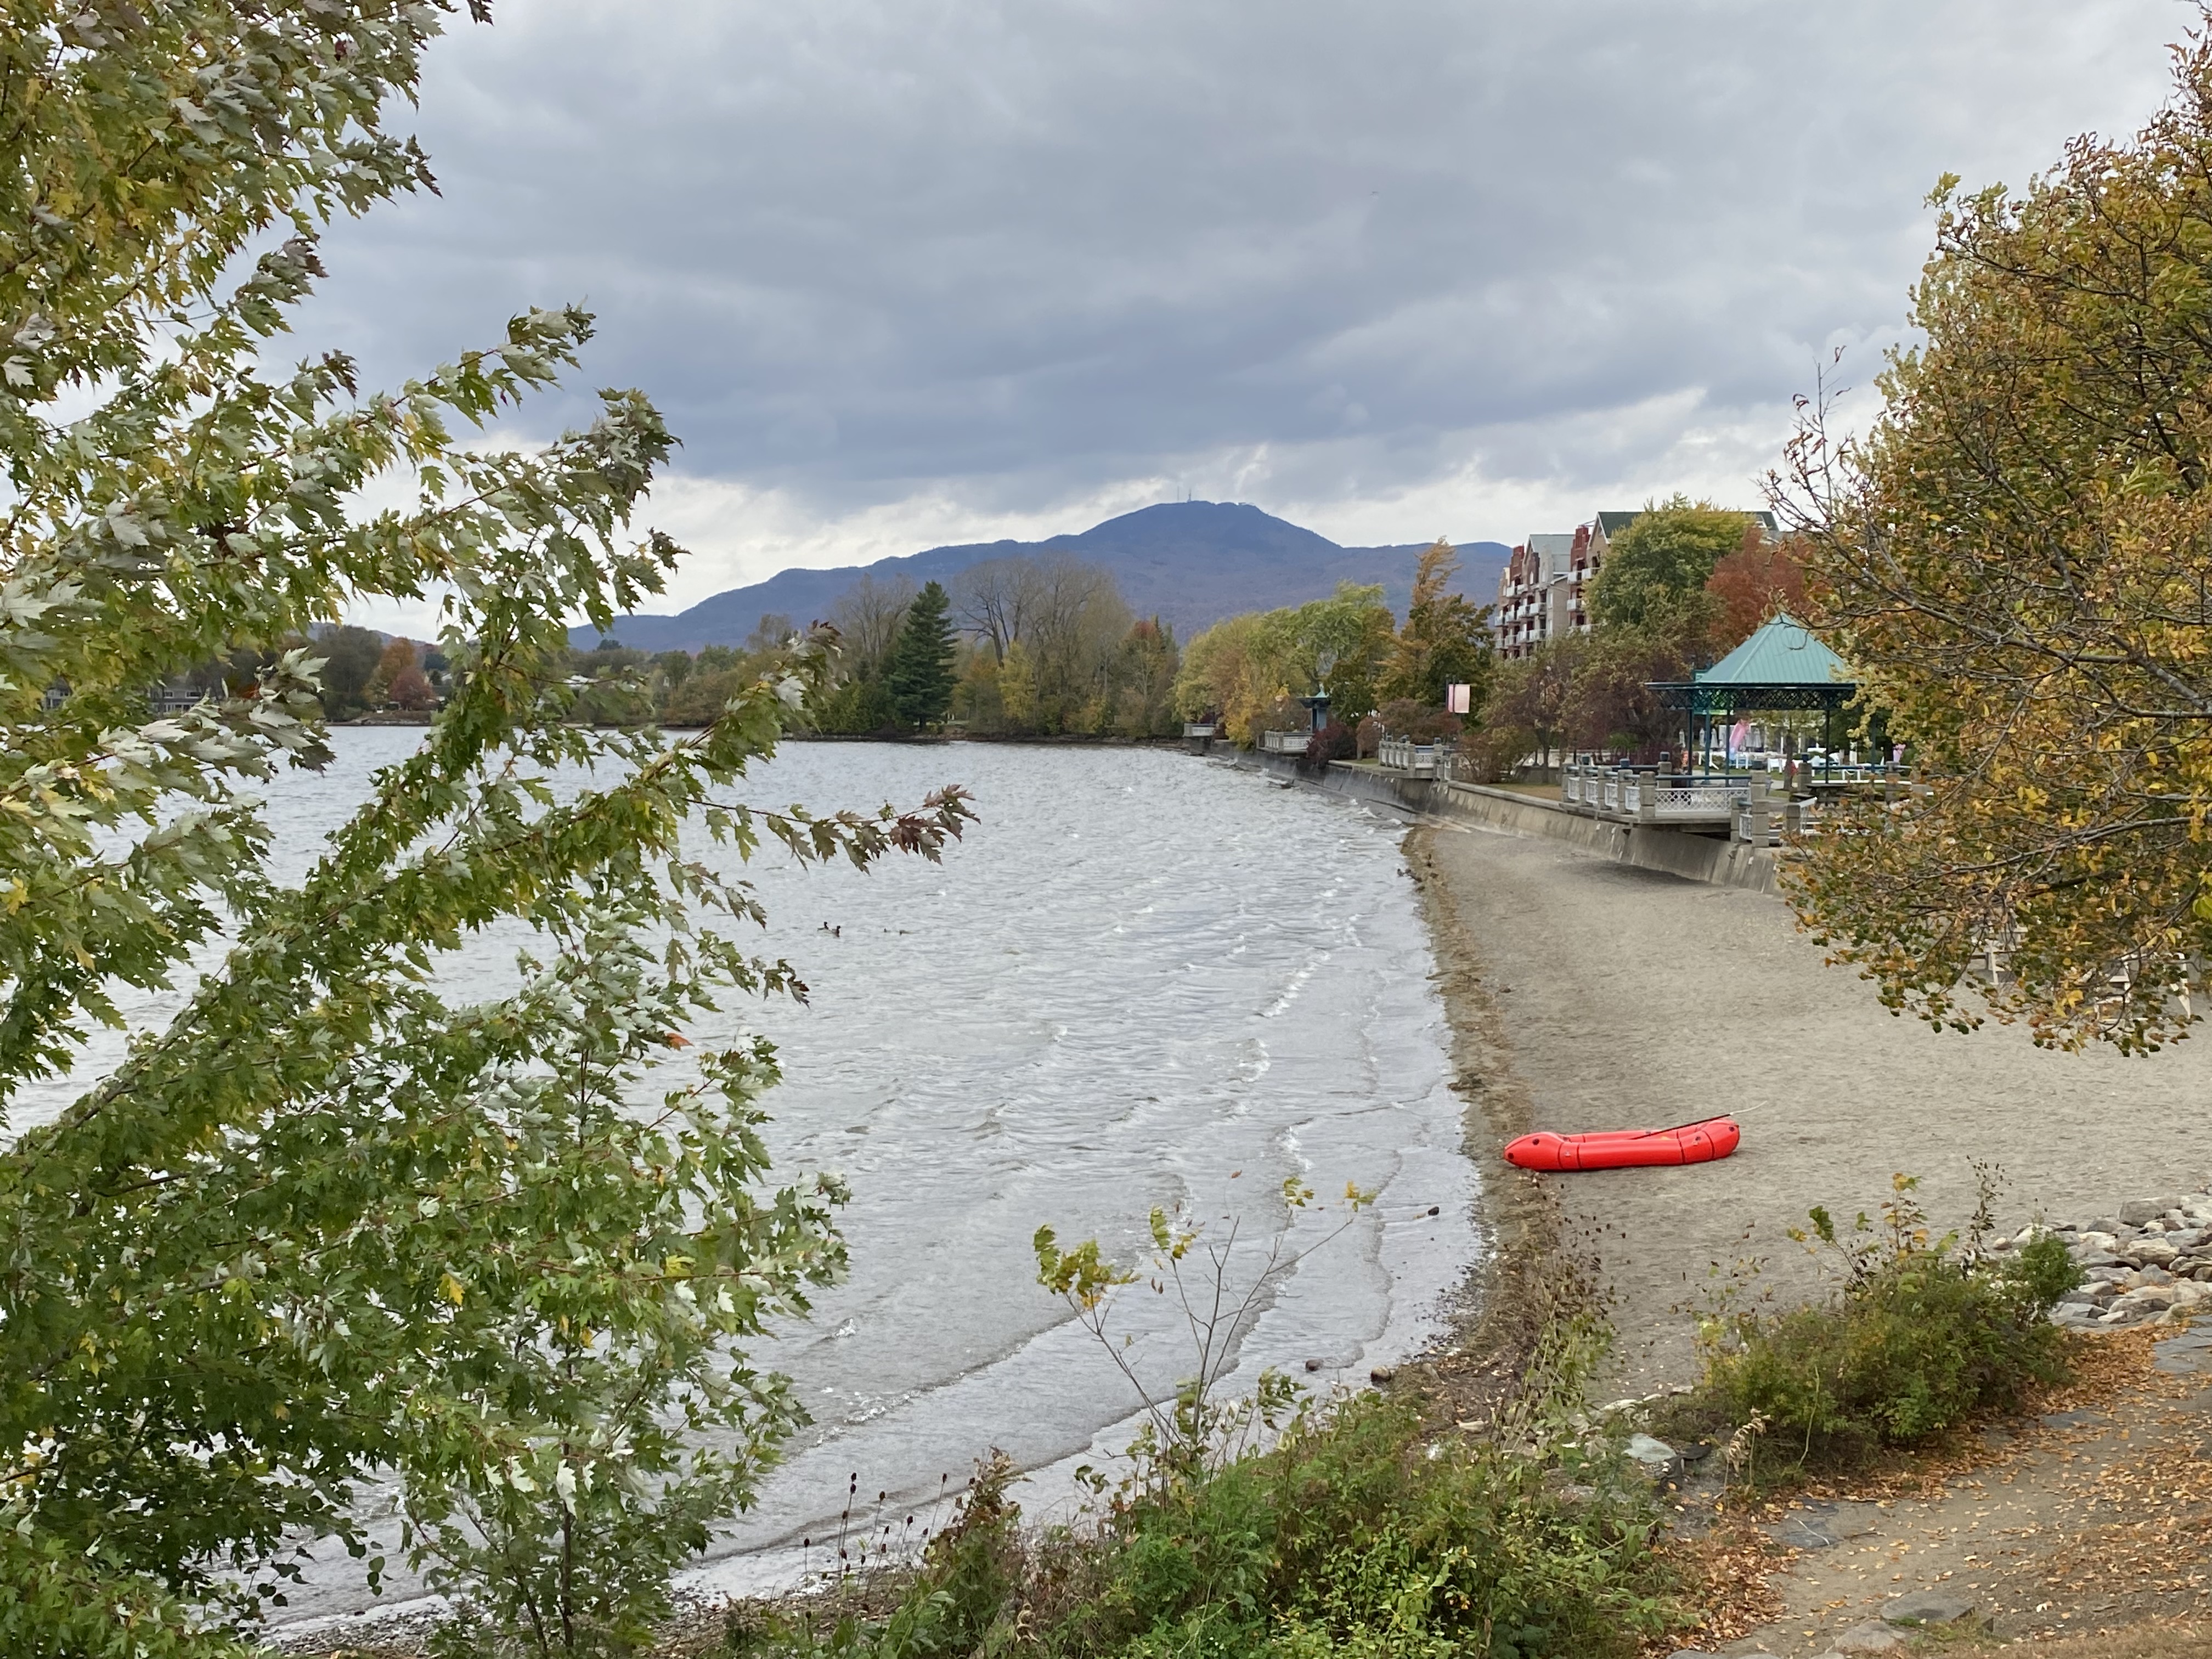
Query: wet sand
[1588, 995]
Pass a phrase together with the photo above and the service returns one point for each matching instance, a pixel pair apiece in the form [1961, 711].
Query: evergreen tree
[921, 672]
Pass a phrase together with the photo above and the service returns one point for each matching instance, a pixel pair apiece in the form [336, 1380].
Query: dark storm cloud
[1018, 252]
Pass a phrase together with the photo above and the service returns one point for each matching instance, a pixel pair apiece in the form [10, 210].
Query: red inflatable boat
[1621, 1149]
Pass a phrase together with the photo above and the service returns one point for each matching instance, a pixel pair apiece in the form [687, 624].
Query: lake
[1143, 979]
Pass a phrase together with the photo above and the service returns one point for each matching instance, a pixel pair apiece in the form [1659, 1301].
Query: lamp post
[1316, 706]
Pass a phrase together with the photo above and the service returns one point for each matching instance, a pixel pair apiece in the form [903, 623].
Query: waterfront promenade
[1596, 995]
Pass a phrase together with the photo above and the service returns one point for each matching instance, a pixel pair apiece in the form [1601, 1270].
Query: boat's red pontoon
[1621, 1149]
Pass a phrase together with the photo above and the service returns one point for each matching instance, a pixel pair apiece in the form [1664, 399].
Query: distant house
[1541, 591]
[173, 696]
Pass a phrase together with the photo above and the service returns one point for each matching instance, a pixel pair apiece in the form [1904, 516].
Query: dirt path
[2093, 1517]
[1589, 995]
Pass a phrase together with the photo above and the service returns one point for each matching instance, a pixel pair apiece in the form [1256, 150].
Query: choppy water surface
[1143, 979]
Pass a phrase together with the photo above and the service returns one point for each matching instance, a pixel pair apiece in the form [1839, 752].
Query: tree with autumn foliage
[1245, 669]
[1445, 640]
[2014, 557]
[397, 658]
[1763, 577]
[410, 692]
[1653, 577]
[1532, 706]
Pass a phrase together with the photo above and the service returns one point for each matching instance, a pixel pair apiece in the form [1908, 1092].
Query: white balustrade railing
[1766, 824]
[1404, 755]
[1676, 796]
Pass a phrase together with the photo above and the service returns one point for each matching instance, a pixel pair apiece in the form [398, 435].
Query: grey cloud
[1027, 249]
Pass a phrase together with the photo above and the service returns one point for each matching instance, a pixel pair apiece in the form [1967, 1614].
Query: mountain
[1191, 563]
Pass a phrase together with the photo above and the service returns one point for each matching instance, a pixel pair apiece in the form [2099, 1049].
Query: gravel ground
[1617, 998]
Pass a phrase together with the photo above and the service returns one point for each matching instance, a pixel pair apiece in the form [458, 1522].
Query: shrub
[1333, 741]
[701, 696]
[1356, 1536]
[1422, 722]
[1495, 751]
[947, 1604]
[1355, 1532]
[857, 709]
[1921, 1335]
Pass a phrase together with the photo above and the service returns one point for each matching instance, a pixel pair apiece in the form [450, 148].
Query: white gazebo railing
[1644, 793]
[1284, 743]
[1695, 797]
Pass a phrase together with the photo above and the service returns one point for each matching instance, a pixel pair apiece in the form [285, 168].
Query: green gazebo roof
[1784, 652]
[1783, 665]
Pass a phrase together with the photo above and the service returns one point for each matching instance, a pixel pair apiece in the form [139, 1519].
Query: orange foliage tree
[397, 659]
[1763, 576]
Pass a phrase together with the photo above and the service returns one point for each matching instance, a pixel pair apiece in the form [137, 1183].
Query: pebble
[2150, 1262]
[2148, 1209]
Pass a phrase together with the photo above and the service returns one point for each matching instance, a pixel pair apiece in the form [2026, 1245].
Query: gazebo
[1781, 667]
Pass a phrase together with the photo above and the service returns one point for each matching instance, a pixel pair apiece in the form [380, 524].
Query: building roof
[1552, 548]
[1784, 652]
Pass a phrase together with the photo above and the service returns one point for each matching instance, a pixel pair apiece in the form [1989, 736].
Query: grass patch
[1921, 1335]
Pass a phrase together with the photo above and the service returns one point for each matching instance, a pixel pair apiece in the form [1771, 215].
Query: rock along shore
[2149, 1260]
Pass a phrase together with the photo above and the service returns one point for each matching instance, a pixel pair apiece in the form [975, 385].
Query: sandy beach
[1588, 995]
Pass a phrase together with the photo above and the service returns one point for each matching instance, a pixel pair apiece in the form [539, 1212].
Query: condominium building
[1540, 594]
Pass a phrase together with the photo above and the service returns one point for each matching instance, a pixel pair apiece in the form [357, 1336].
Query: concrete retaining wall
[1722, 862]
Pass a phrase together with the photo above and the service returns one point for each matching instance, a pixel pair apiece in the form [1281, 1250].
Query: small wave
[1313, 963]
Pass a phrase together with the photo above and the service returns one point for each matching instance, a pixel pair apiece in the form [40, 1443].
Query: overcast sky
[913, 271]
